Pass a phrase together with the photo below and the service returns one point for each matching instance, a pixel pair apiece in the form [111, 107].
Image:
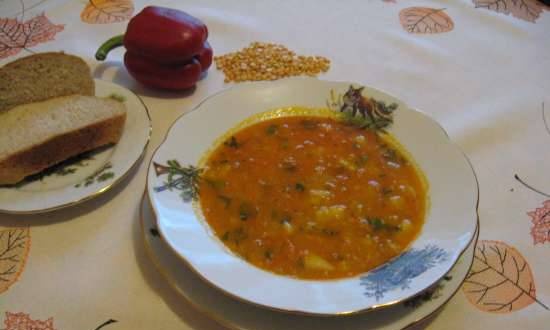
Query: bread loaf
[42, 76]
[38, 135]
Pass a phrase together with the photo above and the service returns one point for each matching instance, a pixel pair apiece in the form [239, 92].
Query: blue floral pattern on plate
[400, 272]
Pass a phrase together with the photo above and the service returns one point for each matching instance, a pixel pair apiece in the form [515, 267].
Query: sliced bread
[38, 135]
[42, 76]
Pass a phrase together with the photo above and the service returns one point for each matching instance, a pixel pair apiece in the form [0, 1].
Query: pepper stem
[107, 46]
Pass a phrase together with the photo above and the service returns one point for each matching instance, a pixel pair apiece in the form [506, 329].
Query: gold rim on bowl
[298, 312]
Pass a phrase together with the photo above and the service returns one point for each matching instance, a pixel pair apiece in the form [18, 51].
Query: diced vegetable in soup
[312, 197]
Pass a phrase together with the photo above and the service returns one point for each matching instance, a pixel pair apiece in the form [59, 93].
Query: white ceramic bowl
[449, 227]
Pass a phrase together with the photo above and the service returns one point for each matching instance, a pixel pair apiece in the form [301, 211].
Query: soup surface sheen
[312, 197]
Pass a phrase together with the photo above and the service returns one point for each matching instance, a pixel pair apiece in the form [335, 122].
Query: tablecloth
[481, 68]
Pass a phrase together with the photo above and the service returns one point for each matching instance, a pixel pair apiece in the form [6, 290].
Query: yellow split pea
[267, 61]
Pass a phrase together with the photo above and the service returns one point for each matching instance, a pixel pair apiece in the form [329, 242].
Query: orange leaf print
[14, 249]
[425, 20]
[500, 280]
[16, 35]
[540, 218]
[527, 10]
[22, 321]
[107, 11]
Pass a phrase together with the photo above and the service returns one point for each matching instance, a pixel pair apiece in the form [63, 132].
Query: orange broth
[312, 197]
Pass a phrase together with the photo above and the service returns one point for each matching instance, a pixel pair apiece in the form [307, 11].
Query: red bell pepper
[174, 77]
[166, 35]
[165, 48]
[205, 56]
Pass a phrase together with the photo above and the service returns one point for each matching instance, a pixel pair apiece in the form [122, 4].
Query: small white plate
[238, 315]
[448, 229]
[82, 180]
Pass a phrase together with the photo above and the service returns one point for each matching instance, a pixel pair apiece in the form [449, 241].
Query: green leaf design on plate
[185, 179]
[100, 175]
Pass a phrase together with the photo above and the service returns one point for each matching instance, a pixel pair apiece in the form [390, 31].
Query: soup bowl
[450, 221]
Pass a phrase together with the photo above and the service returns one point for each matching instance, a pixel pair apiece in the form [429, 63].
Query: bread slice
[43, 76]
[38, 135]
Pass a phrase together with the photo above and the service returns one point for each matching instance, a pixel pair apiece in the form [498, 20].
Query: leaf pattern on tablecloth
[500, 280]
[540, 218]
[22, 321]
[425, 20]
[14, 249]
[107, 11]
[16, 35]
[527, 10]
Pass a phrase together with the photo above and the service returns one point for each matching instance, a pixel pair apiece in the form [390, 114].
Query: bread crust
[59, 148]
[43, 76]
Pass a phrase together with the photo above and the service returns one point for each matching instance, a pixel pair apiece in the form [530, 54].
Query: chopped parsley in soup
[312, 197]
